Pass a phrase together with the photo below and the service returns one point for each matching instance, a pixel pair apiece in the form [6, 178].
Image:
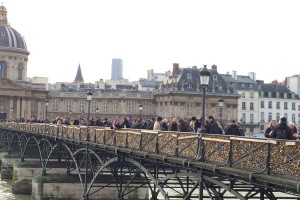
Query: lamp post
[46, 104]
[140, 109]
[11, 113]
[70, 112]
[89, 99]
[204, 80]
[221, 104]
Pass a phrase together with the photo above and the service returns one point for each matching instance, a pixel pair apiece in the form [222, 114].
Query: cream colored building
[19, 98]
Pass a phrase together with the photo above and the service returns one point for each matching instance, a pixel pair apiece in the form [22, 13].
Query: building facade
[19, 97]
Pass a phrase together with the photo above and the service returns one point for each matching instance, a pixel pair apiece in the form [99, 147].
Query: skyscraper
[116, 68]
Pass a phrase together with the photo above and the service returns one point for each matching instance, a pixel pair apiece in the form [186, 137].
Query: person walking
[157, 124]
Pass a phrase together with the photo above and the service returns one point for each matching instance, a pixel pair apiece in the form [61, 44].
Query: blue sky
[246, 36]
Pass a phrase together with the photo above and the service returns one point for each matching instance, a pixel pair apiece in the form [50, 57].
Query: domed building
[19, 97]
[13, 51]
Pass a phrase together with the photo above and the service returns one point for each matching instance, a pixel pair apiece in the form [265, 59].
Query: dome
[10, 39]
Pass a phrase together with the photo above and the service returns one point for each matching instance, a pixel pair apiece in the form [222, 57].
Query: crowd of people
[282, 130]
[277, 130]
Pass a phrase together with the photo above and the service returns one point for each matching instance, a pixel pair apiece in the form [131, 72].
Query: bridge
[171, 165]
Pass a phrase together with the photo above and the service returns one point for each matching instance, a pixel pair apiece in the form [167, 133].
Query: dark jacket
[267, 132]
[288, 131]
[214, 127]
[232, 129]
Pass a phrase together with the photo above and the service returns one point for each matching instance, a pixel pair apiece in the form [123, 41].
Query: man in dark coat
[213, 125]
[232, 129]
[282, 130]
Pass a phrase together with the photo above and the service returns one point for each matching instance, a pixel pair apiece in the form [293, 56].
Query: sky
[245, 36]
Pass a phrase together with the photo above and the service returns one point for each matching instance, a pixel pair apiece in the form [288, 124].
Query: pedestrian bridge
[172, 165]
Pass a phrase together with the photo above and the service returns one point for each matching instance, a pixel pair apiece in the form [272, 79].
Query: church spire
[79, 77]
[3, 15]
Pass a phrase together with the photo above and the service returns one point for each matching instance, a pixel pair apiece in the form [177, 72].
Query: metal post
[89, 98]
[202, 153]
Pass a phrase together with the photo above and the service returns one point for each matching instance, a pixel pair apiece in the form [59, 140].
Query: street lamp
[204, 80]
[140, 109]
[70, 112]
[89, 95]
[221, 105]
[46, 104]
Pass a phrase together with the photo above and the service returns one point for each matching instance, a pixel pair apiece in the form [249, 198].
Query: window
[251, 106]
[262, 117]
[277, 117]
[68, 104]
[286, 116]
[81, 106]
[270, 104]
[93, 107]
[189, 76]
[146, 108]
[54, 105]
[298, 107]
[262, 104]
[104, 106]
[3, 69]
[278, 104]
[243, 105]
[243, 95]
[251, 118]
[20, 71]
[244, 117]
[130, 106]
[293, 118]
[189, 109]
[293, 106]
[215, 77]
[115, 107]
[252, 95]
[269, 117]
[285, 105]
[189, 86]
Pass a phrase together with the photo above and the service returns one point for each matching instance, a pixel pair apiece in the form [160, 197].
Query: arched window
[270, 117]
[277, 117]
[293, 118]
[3, 70]
[262, 116]
[20, 71]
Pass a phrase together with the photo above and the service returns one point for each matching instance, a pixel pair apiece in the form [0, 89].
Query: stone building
[178, 94]
[19, 98]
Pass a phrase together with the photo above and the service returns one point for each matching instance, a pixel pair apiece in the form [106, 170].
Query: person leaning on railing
[293, 128]
[282, 130]
[270, 128]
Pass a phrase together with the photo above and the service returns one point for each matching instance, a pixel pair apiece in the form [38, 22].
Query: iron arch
[138, 165]
[207, 178]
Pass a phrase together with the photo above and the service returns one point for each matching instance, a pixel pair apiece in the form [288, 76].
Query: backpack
[280, 134]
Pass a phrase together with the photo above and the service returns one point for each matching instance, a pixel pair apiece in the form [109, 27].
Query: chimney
[252, 76]
[234, 74]
[274, 82]
[215, 68]
[175, 68]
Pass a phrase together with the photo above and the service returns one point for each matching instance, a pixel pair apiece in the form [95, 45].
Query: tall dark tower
[117, 68]
[78, 78]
